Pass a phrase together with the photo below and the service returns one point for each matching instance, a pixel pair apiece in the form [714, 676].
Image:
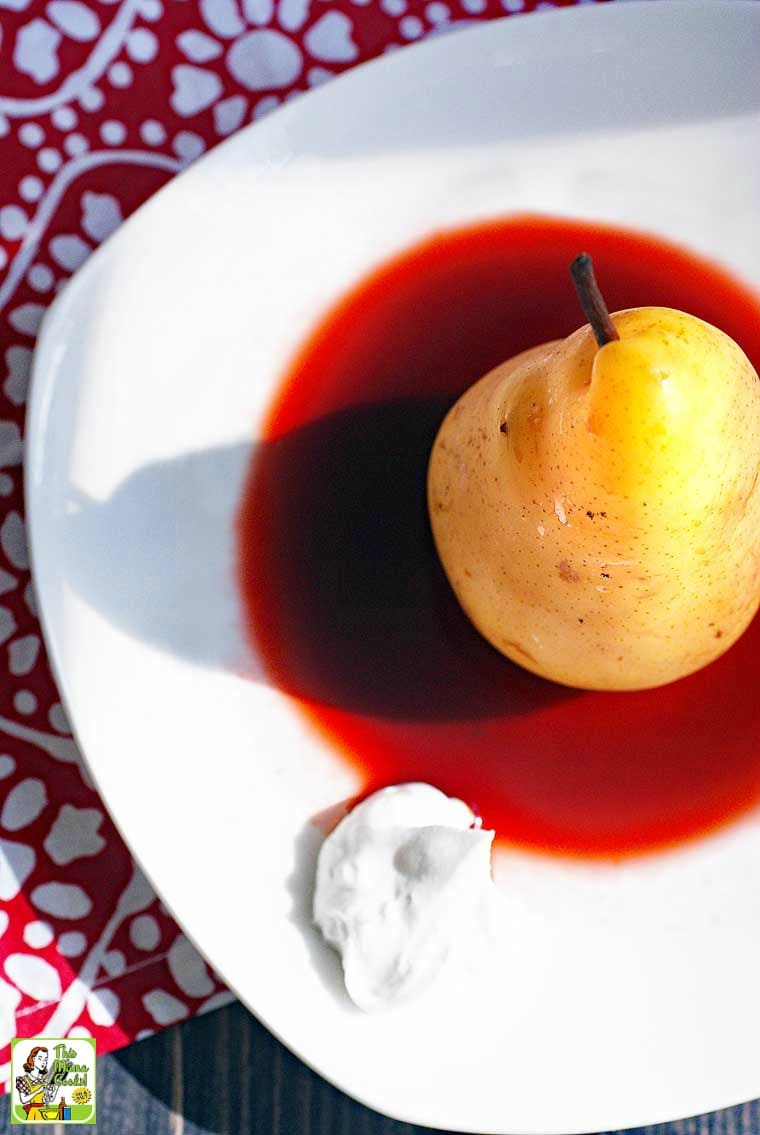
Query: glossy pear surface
[597, 510]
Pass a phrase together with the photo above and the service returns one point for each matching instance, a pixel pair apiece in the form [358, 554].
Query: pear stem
[594, 307]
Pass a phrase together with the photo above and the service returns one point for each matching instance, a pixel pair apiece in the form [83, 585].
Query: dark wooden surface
[223, 1074]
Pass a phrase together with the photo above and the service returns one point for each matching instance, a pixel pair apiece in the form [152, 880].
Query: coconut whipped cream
[400, 882]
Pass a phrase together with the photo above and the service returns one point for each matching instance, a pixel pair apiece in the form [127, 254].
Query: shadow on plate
[340, 580]
[301, 886]
[611, 81]
[155, 557]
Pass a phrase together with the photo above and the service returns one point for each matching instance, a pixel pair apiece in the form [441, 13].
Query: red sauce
[345, 600]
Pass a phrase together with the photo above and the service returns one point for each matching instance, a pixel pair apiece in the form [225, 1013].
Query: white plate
[625, 995]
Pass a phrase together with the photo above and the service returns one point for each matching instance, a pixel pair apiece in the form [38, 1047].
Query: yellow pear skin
[597, 509]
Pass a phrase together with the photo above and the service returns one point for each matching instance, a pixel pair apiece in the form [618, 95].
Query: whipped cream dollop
[401, 882]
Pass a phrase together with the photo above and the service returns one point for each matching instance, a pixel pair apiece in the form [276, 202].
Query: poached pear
[595, 501]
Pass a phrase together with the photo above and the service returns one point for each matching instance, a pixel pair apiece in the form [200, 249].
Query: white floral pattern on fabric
[64, 900]
[74, 835]
[38, 934]
[164, 1008]
[188, 968]
[16, 865]
[23, 804]
[33, 976]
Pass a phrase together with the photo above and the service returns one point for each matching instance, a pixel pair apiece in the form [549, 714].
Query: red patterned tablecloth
[101, 102]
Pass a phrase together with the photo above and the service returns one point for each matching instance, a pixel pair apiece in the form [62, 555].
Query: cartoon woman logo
[34, 1088]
